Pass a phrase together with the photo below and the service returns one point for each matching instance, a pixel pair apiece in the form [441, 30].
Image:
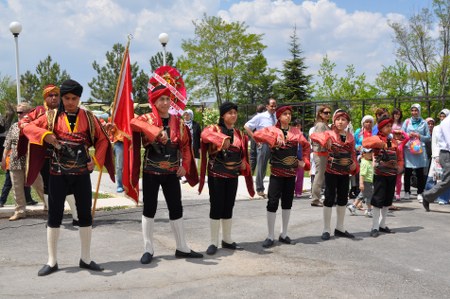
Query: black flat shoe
[232, 246]
[325, 236]
[426, 205]
[212, 249]
[91, 266]
[192, 254]
[285, 240]
[46, 270]
[268, 243]
[374, 233]
[75, 223]
[346, 234]
[146, 258]
[386, 230]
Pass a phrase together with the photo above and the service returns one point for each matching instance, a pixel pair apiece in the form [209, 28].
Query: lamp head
[15, 28]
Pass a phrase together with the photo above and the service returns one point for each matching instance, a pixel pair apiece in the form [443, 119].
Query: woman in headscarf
[70, 131]
[283, 141]
[167, 157]
[435, 172]
[227, 150]
[415, 151]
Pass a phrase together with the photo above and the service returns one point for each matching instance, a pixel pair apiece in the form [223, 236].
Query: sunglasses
[20, 112]
[326, 112]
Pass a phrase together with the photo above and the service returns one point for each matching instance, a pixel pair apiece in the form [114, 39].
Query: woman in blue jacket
[415, 152]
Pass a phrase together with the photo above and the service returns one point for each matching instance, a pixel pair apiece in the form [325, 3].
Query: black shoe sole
[192, 254]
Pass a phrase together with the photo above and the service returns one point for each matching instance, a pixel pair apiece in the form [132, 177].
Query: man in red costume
[70, 131]
[166, 141]
[51, 101]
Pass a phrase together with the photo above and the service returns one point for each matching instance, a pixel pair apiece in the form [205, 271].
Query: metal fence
[306, 111]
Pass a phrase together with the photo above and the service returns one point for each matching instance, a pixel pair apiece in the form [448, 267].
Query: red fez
[339, 113]
[383, 121]
[282, 109]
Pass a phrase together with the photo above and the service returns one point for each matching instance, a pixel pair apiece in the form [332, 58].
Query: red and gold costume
[284, 162]
[342, 153]
[87, 132]
[164, 159]
[224, 163]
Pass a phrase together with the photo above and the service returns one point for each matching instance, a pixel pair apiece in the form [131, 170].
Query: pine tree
[295, 85]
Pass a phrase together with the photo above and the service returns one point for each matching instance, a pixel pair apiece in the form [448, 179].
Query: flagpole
[113, 108]
[96, 192]
[112, 114]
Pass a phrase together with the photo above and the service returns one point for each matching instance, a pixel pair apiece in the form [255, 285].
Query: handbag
[415, 147]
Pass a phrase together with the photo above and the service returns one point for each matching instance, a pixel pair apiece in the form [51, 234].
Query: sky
[77, 32]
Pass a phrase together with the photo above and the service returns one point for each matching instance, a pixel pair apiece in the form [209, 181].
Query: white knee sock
[384, 212]
[178, 231]
[45, 202]
[214, 225]
[226, 230]
[85, 238]
[73, 208]
[147, 233]
[271, 217]
[340, 216]
[52, 245]
[327, 219]
[376, 218]
[285, 214]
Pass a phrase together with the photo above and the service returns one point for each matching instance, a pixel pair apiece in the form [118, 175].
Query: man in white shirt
[259, 121]
[444, 160]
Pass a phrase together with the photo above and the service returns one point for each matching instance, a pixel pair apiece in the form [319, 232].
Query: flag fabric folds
[123, 112]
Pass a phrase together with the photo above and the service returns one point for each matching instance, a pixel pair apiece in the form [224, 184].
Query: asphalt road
[412, 263]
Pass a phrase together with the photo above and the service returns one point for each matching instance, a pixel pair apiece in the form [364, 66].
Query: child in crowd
[388, 163]
[341, 162]
[365, 183]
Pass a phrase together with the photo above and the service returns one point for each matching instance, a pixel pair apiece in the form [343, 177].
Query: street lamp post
[16, 28]
[163, 39]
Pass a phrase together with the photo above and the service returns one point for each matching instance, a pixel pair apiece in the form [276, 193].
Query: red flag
[123, 112]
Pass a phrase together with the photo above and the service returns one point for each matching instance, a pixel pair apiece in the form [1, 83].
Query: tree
[103, 87]
[416, 46]
[8, 99]
[442, 11]
[326, 87]
[217, 57]
[395, 81]
[256, 82]
[47, 72]
[158, 60]
[295, 85]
